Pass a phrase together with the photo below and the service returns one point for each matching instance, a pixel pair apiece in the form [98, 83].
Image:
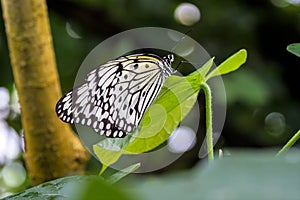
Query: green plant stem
[103, 168]
[208, 113]
[289, 144]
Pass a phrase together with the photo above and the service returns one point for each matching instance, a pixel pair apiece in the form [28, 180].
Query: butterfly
[116, 94]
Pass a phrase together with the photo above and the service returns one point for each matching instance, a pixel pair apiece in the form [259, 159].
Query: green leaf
[243, 175]
[231, 64]
[121, 174]
[72, 188]
[294, 49]
[173, 103]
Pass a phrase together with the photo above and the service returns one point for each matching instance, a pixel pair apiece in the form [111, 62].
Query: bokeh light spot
[275, 123]
[187, 14]
[182, 140]
[13, 174]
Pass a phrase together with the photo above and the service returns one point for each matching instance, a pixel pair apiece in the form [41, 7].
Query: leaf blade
[231, 64]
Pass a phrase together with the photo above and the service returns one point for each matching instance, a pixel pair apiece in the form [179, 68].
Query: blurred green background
[263, 99]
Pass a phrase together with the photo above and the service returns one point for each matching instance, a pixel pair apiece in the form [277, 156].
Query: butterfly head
[168, 59]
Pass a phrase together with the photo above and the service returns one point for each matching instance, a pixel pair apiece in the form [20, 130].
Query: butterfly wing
[115, 95]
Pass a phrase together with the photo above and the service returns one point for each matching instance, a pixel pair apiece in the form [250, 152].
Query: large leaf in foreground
[243, 175]
[72, 188]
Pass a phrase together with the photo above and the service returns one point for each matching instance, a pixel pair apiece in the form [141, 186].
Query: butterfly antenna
[184, 61]
[181, 62]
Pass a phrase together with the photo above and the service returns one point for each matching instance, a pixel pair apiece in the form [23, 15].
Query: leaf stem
[289, 144]
[208, 113]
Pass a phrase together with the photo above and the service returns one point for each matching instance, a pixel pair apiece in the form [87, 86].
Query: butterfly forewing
[116, 94]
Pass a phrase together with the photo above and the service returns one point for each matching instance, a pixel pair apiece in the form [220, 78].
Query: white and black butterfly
[116, 94]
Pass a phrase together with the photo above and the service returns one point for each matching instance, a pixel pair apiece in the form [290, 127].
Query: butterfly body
[116, 94]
